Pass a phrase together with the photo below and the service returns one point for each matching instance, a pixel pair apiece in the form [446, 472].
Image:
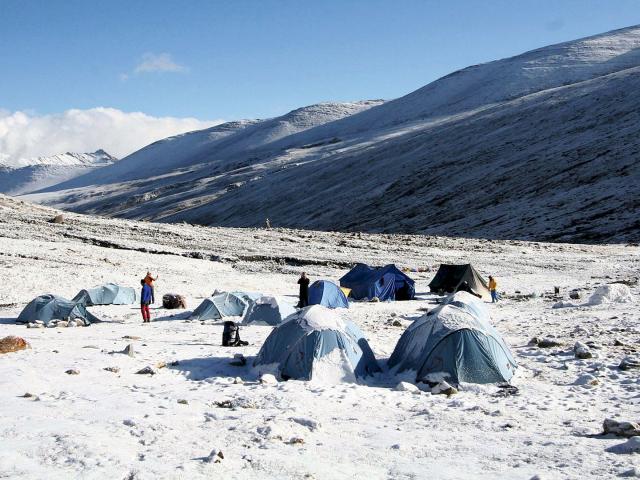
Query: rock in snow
[215, 456]
[407, 387]
[268, 379]
[13, 344]
[621, 429]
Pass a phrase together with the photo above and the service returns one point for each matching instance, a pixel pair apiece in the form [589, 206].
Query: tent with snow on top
[385, 283]
[454, 342]
[51, 307]
[327, 294]
[317, 343]
[452, 278]
[268, 310]
[221, 305]
[109, 294]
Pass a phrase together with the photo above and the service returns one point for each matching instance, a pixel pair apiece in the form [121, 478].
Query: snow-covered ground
[100, 424]
[540, 146]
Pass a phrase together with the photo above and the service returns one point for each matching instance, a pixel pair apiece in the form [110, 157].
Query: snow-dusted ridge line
[539, 146]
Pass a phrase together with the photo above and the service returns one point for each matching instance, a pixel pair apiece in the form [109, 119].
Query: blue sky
[238, 59]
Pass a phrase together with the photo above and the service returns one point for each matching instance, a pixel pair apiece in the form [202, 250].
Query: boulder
[215, 456]
[146, 371]
[73, 371]
[582, 351]
[13, 344]
[407, 387]
[621, 429]
[629, 363]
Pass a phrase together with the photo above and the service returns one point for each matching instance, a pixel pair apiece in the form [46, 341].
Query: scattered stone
[586, 379]
[396, 323]
[630, 446]
[182, 401]
[536, 477]
[13, 344]
[160, 365]
[631, 473]
[310, 423]
[132, 337]
[239, 360]
[215, 456]
[574, 295]
[394, 314]
[296, 441]
[128, 422]
[375, 299]
[444, 388]
[35, 325]
[548, 343]
[112, 369]
[223, 403]
[618, 343]
[63, 323]
[128, 350]
[395, 446]
[57, 219]
[28, 395]
[92, 346]
[582, 351]
[73, 371]
[621, 429]
[268, 379]
[629, 363]
[407, 387]
[238, 381]
[146, 371]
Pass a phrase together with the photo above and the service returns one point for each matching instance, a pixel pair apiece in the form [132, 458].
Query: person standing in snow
[146, 297]
[304, 291]
[149, 281]
[493, 285]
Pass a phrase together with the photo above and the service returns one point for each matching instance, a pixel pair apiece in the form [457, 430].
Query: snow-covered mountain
[543, 145]
[30, 175]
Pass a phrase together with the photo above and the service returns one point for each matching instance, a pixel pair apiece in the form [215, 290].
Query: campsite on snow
[340, 292]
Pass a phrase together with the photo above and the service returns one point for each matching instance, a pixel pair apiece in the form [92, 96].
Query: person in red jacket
[149, 281]
[146, 297]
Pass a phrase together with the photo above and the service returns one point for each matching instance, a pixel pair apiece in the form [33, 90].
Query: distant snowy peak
[99, 158]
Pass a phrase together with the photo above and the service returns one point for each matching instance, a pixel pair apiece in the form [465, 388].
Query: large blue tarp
[454, 342]
[384, 283]
[51, 307]
[108, 294]
[327, 294]
[296, 348]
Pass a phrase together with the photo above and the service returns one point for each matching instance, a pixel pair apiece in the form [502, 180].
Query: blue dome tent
[51, 307]
[385, 283]
[268, 310]
[317, 343]
[109, 294]
[327, 294]
[454, 342]
[220, 305]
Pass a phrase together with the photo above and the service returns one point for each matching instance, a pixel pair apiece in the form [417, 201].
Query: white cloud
[158, 62]
[25, 135]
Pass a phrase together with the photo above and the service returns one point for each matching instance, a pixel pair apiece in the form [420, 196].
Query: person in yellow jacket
[493, 285]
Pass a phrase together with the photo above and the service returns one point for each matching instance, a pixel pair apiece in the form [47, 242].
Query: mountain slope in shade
[539, 146]
[43, 172]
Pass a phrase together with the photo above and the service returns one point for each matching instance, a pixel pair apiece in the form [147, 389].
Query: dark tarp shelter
[385, 283]
[452, 278]
[51, 307]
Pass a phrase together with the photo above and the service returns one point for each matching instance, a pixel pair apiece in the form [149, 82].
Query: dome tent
[109, 294]
[51, 307]
[268, 310]
[452, 278]
[384, 283]
[454, 342]
[327, 294]
[222, 304]
[319, 344]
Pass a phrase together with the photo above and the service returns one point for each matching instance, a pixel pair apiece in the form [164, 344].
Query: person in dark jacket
[304, 291]
[146, 298]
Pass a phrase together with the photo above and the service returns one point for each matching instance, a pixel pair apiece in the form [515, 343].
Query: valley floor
[100, 424]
